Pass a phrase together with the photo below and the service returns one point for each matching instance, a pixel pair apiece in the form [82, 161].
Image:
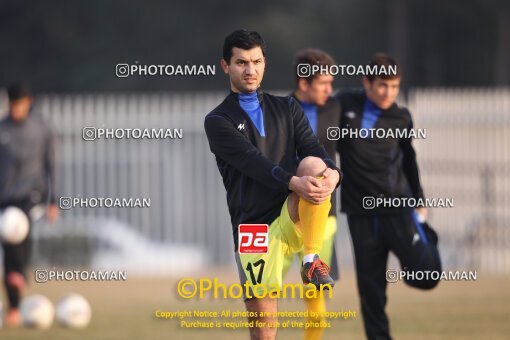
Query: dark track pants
[373, 237]
[16, 256]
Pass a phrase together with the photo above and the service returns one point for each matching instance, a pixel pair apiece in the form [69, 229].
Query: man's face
[318, 91]
[383, 92]
[19, 108]
[246, 69]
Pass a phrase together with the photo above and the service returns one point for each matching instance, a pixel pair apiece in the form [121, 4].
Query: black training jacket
[256, 170]
[27, 161]
[376, 167]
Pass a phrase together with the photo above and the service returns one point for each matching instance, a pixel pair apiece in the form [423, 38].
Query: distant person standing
[26, 180]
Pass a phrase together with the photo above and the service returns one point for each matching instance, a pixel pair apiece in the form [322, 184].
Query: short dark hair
[382, 59]
[312, 56]
[242, 39]
[17, 91]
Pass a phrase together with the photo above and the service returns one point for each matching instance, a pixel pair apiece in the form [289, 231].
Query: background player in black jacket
[27, 178]
[257, 139]
[313, 93]
[387, 168]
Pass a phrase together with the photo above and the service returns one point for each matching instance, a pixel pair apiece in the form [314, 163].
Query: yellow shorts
[285, 239]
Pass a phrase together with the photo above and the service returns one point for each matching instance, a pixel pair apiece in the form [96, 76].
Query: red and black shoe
[317, 272]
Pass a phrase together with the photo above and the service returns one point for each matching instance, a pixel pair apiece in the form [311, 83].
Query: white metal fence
[465, 156]
[188, 208]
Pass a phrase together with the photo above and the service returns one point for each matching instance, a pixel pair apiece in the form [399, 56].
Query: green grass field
[125, 310]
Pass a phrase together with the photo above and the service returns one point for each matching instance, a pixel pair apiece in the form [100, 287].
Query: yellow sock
[318, 306]
[313, 218]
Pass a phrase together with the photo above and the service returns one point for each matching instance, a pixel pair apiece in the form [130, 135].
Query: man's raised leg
[312, 218]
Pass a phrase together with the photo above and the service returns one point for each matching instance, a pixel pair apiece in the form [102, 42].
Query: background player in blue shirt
[382, 168]
[313, 93]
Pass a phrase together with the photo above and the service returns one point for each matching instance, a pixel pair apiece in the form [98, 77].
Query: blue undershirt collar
[370, 115]
[311, 113]
[249, 102]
